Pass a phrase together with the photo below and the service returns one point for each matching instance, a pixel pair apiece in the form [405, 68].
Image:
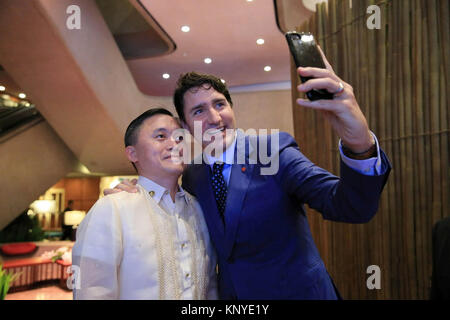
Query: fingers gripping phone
[306, 54]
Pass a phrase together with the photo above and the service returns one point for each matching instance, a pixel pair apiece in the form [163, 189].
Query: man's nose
[171, 143]
[214, 116]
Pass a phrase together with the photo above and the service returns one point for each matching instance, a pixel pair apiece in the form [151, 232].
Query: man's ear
[130, 151]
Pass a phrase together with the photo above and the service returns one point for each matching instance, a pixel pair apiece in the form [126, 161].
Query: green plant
[63, 253]
[58, 256]
[5, 281]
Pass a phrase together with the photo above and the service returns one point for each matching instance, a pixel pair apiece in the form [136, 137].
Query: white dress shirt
[145, 246]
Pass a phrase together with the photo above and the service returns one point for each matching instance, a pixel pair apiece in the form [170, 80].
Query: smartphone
[304, 50]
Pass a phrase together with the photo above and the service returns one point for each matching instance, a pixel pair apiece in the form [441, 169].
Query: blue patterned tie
[219, 187]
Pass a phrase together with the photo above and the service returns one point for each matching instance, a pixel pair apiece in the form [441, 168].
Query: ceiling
[224, 31]
[79, 79]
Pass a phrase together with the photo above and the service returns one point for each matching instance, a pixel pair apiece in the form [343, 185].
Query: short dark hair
[190, 80]
[133, 128]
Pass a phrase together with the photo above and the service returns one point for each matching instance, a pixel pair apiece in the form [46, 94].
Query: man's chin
[173, 163]
[175, 169]
[222, 144]
[215, 146]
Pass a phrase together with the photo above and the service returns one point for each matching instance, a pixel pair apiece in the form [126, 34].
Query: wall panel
[400, 76]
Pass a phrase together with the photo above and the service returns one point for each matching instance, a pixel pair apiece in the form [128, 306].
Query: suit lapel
[237, 189]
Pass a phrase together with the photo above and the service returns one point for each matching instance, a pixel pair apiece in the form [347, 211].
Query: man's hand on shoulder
[125, 185]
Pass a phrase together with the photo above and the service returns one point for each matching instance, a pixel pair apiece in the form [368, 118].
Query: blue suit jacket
[265, 250]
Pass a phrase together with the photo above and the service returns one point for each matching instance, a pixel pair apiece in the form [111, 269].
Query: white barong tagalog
[128, 248]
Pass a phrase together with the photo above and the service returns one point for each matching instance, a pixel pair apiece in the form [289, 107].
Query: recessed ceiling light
[22, 95]
[2, 88]
[249, 0]
[166, 76]
[185, 28]
[260, 41]
[267, 68]
[207, 60]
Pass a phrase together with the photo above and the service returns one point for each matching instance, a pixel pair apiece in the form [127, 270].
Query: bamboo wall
[400, 75]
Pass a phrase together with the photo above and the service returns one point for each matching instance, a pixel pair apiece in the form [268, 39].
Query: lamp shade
[73, 218]
[43, 206]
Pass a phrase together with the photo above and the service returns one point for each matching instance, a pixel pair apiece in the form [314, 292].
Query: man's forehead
[205, 87]
[161, 122]
[201, 93]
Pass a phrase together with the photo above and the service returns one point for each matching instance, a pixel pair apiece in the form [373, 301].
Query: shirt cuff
[368, 167]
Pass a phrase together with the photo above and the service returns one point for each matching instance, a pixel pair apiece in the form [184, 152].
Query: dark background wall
[83, 191]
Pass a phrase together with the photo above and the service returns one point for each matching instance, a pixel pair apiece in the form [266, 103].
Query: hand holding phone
[304, 50]
[337, 102]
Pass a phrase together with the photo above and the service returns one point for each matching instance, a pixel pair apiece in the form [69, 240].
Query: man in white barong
[153, 244]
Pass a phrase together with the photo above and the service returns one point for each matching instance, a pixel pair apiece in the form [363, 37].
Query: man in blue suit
[256, 220]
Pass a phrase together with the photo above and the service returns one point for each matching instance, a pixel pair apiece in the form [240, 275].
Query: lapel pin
[152, 193]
